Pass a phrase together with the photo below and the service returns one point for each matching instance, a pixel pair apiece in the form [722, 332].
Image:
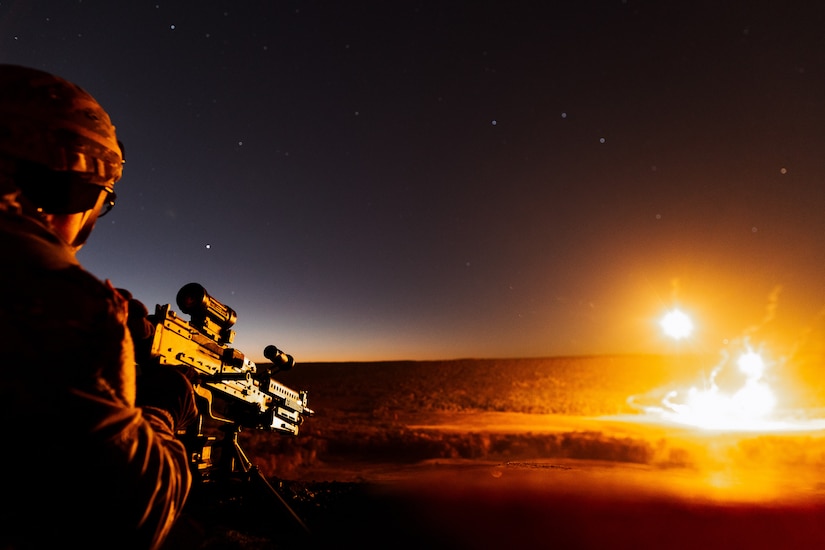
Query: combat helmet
[59, 134]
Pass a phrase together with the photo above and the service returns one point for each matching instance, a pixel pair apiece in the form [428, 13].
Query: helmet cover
[52, 123]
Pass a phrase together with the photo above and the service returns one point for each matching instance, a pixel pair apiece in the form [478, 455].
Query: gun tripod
[234, 481]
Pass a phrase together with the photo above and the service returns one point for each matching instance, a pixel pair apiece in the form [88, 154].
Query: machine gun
[231, 392]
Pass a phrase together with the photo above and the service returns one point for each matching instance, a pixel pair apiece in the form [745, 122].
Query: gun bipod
[233, 480]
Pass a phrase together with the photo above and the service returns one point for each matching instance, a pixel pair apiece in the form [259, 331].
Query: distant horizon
[672, 355]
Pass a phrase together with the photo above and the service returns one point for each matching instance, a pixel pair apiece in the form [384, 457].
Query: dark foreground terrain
[505, 453]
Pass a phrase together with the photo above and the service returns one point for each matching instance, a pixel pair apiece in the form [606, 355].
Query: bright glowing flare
[749, 407]
[751, 364]
[677, 324]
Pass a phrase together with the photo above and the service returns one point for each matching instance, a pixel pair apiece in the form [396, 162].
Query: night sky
[435, 180]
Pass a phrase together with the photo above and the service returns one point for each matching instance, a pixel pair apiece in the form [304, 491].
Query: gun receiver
[233, 388]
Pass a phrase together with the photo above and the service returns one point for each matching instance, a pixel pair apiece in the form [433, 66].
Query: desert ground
[538, 453]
